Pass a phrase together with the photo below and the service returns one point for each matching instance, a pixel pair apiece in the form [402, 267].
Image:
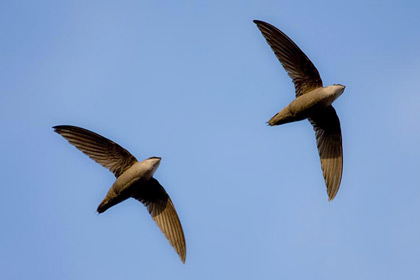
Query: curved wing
[303, 73]
[102, 150]
[328, 138]
[163, 212]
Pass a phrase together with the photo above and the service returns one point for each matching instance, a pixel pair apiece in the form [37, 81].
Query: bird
[134, 179]
[313, 102]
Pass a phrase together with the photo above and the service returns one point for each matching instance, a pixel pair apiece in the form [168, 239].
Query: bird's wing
[328, 138]
[102, 150]
[303, 73]
[162, 210]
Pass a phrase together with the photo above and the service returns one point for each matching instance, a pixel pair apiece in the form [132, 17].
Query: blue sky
[194, 82]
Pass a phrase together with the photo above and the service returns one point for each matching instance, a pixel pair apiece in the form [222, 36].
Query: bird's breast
[320, 97]
[139, 171]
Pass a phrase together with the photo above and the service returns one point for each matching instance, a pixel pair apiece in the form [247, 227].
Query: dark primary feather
[328, 138]
[303, 73]
[102, 150]
[162, 210]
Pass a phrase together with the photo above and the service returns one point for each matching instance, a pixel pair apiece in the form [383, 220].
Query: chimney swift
[134, 179]
[313, 102]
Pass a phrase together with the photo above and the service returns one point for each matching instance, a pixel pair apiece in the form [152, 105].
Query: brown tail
[108, 203]
[103, 206]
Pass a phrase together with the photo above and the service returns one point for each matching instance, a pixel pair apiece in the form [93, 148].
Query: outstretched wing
[102, 150]
[160, 206]
[303, 73]
[328, 138]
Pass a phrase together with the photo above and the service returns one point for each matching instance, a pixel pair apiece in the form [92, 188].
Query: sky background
[194, 82]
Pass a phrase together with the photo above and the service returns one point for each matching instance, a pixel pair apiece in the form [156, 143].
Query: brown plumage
[313, 102]
[134, 179]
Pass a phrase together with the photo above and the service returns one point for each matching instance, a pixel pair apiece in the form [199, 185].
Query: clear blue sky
[194, 82]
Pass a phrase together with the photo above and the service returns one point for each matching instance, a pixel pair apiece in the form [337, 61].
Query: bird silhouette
[312, 102]
[134, 179]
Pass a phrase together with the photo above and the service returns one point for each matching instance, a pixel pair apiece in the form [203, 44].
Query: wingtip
[57, 128]
[331, 197]
[261, 23]
[182, 252]
[256, 21]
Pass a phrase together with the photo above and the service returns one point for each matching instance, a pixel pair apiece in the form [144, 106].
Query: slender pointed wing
[160, 206]
[303, 73]
[102, 150]
[328, 138]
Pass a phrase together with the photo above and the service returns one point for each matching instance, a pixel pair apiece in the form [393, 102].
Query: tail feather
[109, 202]
[282, 117]
[103, 206]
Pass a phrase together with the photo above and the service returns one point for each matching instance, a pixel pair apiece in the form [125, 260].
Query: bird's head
[337, 89]
[154, 161]
[333, 92]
